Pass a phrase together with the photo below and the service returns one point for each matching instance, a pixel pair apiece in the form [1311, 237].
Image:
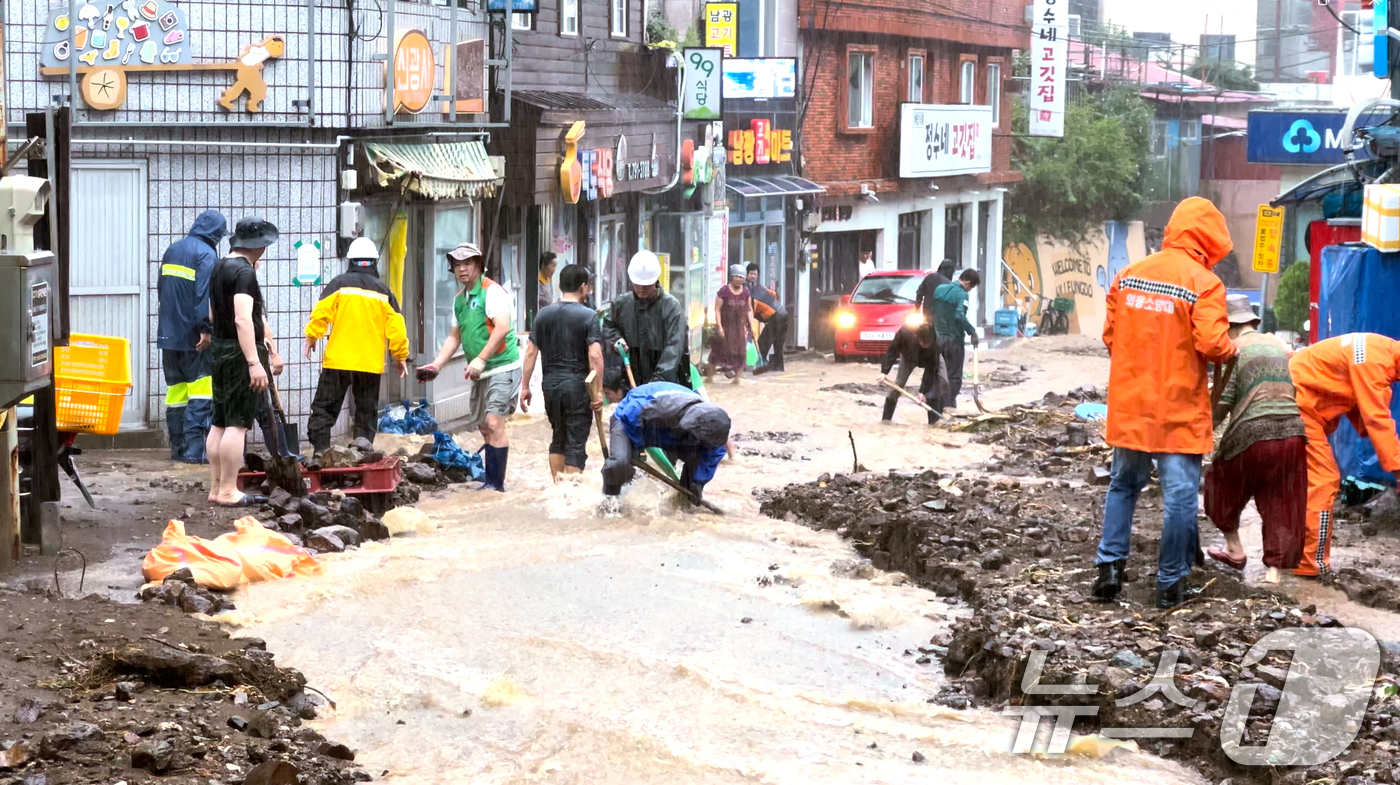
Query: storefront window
[451, 226]
[612, 258]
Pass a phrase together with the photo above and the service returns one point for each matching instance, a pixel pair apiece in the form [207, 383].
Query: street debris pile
[325, 521]
[756, 443]
[1020, 555]
[1046, 439]
[98, 691]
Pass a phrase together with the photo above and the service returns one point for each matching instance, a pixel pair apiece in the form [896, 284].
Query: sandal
[246, 500]
[1226, 559]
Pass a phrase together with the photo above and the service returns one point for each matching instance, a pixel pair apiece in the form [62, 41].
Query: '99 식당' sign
[941, 140]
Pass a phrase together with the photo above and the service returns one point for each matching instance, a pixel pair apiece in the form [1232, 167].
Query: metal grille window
[619, 18]
[568, 17]
[860, 90]
[967, 85]
[916, 79]
[994, 91]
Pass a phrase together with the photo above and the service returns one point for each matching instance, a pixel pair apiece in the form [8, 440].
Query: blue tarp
[1357, 293]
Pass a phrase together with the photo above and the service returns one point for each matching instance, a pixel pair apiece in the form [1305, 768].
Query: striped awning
[438, 170]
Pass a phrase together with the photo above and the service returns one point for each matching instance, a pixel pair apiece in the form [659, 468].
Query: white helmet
[644, 269]
[362, 249]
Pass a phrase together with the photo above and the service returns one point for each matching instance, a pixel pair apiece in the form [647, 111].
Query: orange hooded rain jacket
[1351, 376]
[1165, 322]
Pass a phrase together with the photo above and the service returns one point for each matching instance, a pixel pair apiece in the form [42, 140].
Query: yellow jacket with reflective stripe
[363, 317]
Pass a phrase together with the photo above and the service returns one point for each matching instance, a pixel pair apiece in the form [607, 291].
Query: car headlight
[845, 319]
[914, 319]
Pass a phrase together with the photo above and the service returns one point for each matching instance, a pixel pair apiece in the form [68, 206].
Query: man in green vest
[950, 312]
[483, 332]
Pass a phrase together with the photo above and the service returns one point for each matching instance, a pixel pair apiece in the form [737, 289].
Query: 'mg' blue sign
[1296, 137]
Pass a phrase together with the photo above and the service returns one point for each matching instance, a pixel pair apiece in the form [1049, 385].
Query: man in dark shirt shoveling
[915, 347]
[568, 336]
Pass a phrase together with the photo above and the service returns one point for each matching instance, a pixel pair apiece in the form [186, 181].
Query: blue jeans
[1181, 477]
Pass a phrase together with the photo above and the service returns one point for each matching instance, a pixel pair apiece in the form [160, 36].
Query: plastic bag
[267, 555]
[215, 564]
[450, 455]
[402, 520]
[420, 419]
[395, 419]
[408, 418]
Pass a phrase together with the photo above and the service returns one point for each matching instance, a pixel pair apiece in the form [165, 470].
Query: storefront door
[911, 232]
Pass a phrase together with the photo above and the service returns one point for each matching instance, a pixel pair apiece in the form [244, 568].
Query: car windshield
[886, 289]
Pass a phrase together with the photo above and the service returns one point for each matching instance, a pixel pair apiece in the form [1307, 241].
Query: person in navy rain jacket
[671, 417]
[184, 335]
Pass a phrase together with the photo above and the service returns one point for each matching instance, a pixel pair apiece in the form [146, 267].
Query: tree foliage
[1291, 300]
[1095, 173]
[1227, 75]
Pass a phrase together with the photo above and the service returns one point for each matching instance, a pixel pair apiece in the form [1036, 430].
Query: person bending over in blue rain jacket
[676, 419]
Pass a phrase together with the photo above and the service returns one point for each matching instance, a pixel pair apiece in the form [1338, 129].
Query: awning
[439, 170]
[772, 185]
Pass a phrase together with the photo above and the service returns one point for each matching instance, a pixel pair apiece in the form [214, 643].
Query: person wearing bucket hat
[648, 325]
[363, 319]
[1263, 452]
[483, 330]
[733, 325]
[245, 355]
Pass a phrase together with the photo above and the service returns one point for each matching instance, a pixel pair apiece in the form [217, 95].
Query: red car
[868, 317]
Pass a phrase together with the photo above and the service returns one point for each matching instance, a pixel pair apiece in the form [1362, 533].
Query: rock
[313, 515]
[238, 723]
[182, 575]
[1266, 700]
[1098, 475]
[15, 756]
[154, 756]
[193, 603]
[337, 751]
[68, 737]
[126, 690]
[1127, 659]
[406, 520]
[280, 501]
[350, 512]
[333, 539]
[1384, 511]
[422, 474]
[28, 712]
[262, 725]
[937, 505]
[1272, 675]
[338, 457]
[371, 528]
[995, 559]
[1206, 639]
[171, 667]
[362, 444]
[917, 757]
[291, 522]
[273, 772]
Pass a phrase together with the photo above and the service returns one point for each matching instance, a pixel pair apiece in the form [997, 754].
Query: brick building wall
[842, 159]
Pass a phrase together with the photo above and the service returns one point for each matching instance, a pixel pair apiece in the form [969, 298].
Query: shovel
[906, 394]
[627, 363]
[284, 468]
[977, 381]
[676, 486]
[595, 393]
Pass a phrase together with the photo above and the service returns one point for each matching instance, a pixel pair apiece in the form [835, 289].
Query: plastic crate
[371, 478]
[92, 377]
[1007, 320]
[1063, 304]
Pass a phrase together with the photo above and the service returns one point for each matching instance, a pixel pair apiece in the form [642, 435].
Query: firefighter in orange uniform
[1347, 376]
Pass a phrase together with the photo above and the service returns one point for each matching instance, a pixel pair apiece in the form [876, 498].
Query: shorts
[498, 395]
[235, 402]
[566, 404]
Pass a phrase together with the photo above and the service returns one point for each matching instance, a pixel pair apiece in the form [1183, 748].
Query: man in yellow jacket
[362, 316]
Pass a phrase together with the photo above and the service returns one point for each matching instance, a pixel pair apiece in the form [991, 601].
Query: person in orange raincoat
[1347, 376]
[1165, 322]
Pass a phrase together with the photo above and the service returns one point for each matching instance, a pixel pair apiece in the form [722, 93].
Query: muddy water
[529, 639]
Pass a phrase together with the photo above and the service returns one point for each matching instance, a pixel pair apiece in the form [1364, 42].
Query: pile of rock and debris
[1021, 557]
[103, 692]
[755, 443]
[1046, 439]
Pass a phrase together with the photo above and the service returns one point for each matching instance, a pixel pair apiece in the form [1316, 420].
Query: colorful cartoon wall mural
[1033, 277]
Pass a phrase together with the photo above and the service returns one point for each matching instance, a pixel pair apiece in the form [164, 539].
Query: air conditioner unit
[1074, 26]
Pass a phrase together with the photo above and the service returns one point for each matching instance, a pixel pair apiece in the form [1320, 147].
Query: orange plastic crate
[92, 377]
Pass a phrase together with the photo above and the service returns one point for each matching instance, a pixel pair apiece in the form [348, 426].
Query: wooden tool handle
[906, 393]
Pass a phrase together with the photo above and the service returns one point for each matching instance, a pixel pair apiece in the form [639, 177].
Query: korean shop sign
[1049, 52]
[414, 72]
[722, 27]
[703, 78]
[938, 140]
[760, 143]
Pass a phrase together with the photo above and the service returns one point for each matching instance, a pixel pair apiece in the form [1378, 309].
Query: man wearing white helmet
[362, 316]
[649, 325]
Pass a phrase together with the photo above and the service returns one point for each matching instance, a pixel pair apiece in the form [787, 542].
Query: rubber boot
[175, 427]
[495, 468]
[1110, 580]
[890, 403]
[1175, 594]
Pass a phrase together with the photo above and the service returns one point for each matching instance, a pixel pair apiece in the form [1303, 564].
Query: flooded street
[530, 640]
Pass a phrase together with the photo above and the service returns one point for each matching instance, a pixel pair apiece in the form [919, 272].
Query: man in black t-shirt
[245, 354]
[923, 298]
[567, 334]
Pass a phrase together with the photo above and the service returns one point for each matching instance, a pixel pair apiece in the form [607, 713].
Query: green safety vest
[470, 308]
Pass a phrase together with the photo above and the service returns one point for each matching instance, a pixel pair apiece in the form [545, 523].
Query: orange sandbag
[215, 564]
[266, 554]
